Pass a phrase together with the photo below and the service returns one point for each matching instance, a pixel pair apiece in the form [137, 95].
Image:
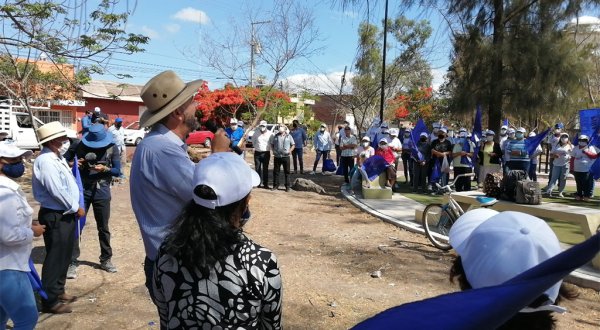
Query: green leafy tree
[66, 36]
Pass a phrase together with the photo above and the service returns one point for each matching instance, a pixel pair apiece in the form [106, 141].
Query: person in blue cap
[99, 161]
[118, 133]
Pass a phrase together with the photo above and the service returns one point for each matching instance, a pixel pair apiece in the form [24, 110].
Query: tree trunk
[496, 89]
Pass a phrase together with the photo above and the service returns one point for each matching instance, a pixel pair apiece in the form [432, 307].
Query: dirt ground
[326, 250]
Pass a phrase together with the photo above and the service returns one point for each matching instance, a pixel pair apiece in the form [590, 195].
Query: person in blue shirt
[299, 135]
[86, 122]
[234, 132]
[517, 149]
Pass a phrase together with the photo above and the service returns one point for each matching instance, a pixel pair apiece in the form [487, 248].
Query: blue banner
[415, 135]
[35, 281]
[589, 121]
[531, 143]
[81, 220]
[476, 136]
[373, 166]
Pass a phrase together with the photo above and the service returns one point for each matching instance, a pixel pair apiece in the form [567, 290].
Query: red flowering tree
[414, 104]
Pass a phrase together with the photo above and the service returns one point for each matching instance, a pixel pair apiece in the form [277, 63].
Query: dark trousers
[278, 162]
[338, 154]
[532, 174]
[585, 184]
[407, 164]
[101, 210]
[58, 240]
[420, 176]
[347, 163]
[320, 153]
[261, 165]
[550, 172]
[518, 165]
[297, 154]
[463, 183]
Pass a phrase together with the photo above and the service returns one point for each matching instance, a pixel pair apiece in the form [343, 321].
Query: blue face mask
[519, 135]
[14, 170]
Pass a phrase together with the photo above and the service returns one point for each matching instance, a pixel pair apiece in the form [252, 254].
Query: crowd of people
[200, 267]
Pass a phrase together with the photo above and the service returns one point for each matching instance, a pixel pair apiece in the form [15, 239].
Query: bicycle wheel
[437, 222]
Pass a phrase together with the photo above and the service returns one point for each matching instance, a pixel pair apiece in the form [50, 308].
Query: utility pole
[337, 111]
[382, 102]
[254, 49]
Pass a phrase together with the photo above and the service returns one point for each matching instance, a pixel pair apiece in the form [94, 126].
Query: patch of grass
[567, 232]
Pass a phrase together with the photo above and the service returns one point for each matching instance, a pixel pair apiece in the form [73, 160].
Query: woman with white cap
[486, 241]
[561, 155]
[585, 155]
[17, 301]
[208, 274]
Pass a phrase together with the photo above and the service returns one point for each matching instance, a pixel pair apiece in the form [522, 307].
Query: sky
[176, 29]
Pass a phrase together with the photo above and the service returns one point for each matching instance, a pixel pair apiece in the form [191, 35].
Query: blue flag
[476, 136]
[505, 122]
[35, 281]
[589, 121]
[80, 221]
[531, 143]
[373, 166]
[415, 135]
[436, 172]
[467, 148]
[489, 307]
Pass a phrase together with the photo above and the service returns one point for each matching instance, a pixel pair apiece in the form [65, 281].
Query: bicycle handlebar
[448, 187]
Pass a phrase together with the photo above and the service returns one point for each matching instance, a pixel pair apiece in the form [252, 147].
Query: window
[65, 117]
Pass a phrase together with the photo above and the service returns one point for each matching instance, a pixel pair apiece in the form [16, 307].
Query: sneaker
[59, 308]
[585, 199]
[108, 266]
[312, 173]
[561, 195]
[287, 189]
[578, 198]
[72, 272]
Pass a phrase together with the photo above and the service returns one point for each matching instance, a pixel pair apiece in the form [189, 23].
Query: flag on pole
[589, 121]
[415, 135]
[489, 307]
[531, 143]
[35, 281]
[477, 134]
[505, 122]
[81, 220]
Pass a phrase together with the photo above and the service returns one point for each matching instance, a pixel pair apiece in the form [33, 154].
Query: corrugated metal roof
[98, 89]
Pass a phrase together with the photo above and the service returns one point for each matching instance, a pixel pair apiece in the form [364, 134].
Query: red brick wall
[129, 111]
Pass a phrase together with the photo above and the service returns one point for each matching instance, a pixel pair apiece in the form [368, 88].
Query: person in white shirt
[561, 155]
[261, 140]
[365, 148]
[584, 156]
[323, 144]
[17, 230]
[118, 133]
[395, 144]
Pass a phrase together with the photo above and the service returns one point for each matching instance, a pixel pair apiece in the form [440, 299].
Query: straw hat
[163, 94]
[50, 131]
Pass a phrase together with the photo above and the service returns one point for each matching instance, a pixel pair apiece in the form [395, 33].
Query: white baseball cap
[383, 141]
[240, 123]
[443, 129]
[495, 247]
[9, 149]
[532, 134]
[424, 134]
[521, 130]
[263, 123]
[510, 130]
[504, 127]
[233, 121]
[394, 131]
[366, 138]
[228, 175]
[584, 137]
[97, 109]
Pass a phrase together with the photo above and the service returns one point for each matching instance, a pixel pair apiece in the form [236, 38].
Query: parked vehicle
[16, 123]
[134, 134]
[200, 137]
[270, 127]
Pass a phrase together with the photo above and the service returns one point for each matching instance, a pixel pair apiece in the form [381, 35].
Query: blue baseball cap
[119, 120]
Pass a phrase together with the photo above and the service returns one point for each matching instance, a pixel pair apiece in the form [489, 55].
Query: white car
[134, 134]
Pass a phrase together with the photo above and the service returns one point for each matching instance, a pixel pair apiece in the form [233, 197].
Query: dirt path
[326, 250]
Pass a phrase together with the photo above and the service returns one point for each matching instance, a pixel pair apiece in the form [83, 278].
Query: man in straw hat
[161, 170]
[54, 187]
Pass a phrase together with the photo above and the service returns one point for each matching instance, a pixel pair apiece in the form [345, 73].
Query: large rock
[301, 184]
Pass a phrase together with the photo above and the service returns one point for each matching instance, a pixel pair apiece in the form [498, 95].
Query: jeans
[261, 165]
[347, 162]
[285, 162]
[59, 239]
[297, 154]
[531, 173]
[17, 301]
[559, 173]
[101, 210]
[585, 184]
[320, 153]
[463, 183]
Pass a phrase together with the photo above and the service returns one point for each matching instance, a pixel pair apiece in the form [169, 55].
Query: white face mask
[365, 144]
[564, 140]
[583, 143]
[489, 138]
[64, 147]
[233, 127]
[263, 128]
[322, 129]
[281, 129]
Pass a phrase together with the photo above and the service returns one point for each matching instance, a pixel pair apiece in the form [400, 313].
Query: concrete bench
[588, 219]
[375, 189]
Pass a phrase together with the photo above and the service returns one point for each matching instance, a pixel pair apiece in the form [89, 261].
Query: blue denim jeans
[17, 301]
[559, 173]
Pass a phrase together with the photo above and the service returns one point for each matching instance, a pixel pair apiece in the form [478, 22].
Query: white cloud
[438, 78]
[318, 84]
[193, 15]
[172, 28]
[148, 32]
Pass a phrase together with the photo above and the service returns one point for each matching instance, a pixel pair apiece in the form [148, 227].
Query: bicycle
[438, 218]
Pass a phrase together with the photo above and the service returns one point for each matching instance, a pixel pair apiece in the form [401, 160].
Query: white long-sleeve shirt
[53, 183]
[15, 227]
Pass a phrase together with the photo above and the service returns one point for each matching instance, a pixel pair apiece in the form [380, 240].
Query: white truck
[16, 123]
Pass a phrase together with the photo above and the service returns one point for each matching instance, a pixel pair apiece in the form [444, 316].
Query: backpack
[329, 165]
[508, 185]
[491, 185]
[528, 192]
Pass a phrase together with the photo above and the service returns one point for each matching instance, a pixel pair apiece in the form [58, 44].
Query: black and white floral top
[242, 292]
